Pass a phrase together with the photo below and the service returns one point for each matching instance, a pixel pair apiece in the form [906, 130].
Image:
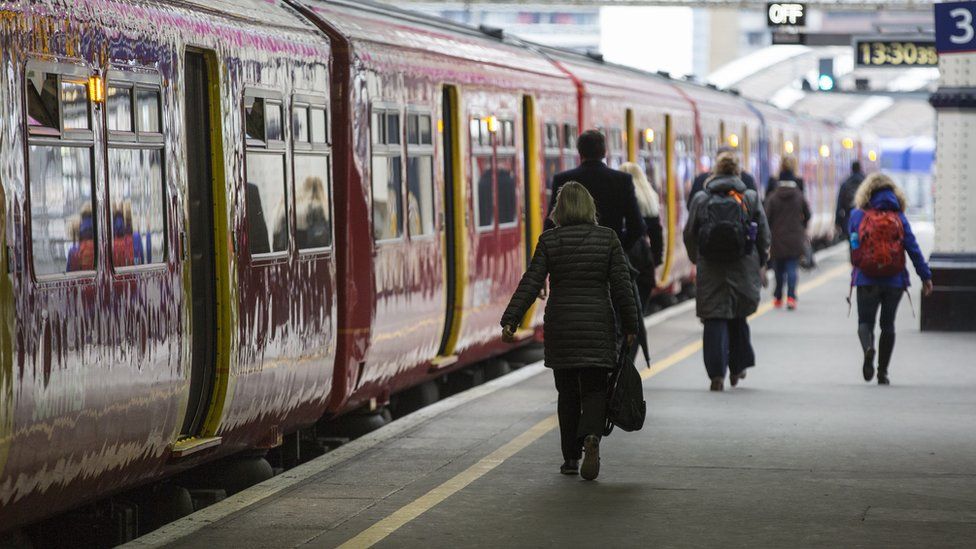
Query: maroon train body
[226, 220]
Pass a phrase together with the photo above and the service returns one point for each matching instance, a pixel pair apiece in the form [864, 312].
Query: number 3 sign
[954, 32]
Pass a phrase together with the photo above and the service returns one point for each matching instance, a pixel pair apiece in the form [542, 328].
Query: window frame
[308, 148]
[506, 144]
[136, 79]
[380, 147]
[73, 138]
[420, 150]
[268, 147]
[477, 150]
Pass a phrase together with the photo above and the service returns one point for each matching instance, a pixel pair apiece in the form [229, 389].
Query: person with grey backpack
[727, 237]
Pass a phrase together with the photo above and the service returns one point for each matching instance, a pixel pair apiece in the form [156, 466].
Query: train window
[570, 132]
[475, 131]
[136, 197]
[63, 221]
[318, 126]
[508, 133]
[148, 105]
[420, 175]
[506, 178]
[266, 197]
[313, 219]
[272, 122]
[136, 185]
[392, 128]
[74, 104]
[43, 110]
[484, 168]
[387, 175]
[254, 118]
[266, 190]
[299, 123]
[119, 107]
[387, 201]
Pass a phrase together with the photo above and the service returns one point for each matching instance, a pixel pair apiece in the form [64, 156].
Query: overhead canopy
[832, 4]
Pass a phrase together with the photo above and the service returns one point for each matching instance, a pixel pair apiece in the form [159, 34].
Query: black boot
[886, 346]
[570, 467]
[865, 332]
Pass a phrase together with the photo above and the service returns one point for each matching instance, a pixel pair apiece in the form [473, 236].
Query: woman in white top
[645, 260]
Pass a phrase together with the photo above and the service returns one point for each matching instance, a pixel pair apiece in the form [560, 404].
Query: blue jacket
[885, 199]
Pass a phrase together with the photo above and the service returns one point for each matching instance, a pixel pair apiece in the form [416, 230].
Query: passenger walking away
[589, 280]
[646, 254]
[612, 190]
[880, 235]
[727, 237]
[787, 172]
[699, 182]
[788, 214]
[845, 198]
[615, 198]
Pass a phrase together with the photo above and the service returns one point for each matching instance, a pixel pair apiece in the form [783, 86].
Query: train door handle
[183, 245]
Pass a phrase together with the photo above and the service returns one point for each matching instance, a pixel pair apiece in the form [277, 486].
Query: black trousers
[582, 406]
[727, 343]
[869, 300]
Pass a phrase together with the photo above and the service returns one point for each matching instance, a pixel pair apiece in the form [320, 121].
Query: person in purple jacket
[879, 192]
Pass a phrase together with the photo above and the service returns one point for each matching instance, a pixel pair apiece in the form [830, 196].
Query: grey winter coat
[727, 290]
[588, 280]
[788, 214]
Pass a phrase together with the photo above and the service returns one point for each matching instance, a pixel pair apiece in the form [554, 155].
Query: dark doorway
[450, 137]
[200, 221]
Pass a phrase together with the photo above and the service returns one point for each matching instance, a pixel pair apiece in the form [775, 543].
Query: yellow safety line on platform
[382, 529]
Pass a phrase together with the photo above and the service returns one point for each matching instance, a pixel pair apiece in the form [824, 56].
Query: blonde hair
[727, 163]
[574, 206]
[787, 164]
[647, 199]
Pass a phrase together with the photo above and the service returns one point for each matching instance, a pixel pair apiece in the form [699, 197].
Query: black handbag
[626, 407]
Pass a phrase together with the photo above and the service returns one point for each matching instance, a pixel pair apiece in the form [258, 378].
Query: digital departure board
[892, 52]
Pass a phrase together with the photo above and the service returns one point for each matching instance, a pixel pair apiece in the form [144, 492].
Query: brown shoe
[718, 384]
[591, 458]
[734, 379]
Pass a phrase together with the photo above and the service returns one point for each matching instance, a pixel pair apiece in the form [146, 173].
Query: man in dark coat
[845, 198]
[612, 190]
[701, 178]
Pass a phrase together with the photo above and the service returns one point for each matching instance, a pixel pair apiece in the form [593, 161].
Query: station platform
[803, 453]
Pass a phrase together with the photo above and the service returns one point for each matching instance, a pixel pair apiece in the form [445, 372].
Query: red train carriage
[171, 298]
[442, 130]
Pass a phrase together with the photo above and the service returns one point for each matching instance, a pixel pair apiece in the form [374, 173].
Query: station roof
[897, 108]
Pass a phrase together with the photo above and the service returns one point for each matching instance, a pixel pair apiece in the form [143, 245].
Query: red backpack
[881, 248]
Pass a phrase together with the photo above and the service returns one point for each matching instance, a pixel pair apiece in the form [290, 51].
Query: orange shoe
[791, 304]
[778, 303]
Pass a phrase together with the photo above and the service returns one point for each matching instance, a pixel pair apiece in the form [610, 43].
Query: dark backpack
[625, 398]
[881, 249]
[724, 233]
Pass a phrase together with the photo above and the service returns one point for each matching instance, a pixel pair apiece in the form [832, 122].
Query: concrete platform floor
[803, 454]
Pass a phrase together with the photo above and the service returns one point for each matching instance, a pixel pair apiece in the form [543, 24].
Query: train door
[199, 241]
[531, 207]
[454, 225]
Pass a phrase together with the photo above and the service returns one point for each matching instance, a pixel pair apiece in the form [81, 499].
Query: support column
[952, 307]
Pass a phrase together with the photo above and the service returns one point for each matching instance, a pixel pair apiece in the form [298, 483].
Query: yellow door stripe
[382, 529]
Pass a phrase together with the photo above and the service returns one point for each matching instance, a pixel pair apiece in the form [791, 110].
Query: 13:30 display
[897, 53]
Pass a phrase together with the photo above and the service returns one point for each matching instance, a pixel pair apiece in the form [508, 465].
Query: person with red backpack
[880, 235]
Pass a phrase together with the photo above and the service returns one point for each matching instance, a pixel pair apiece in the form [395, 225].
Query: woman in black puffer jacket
[589, 280]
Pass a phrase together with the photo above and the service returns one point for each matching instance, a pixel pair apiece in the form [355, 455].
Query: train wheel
[414, 399]
[496, 367]
[164, 504]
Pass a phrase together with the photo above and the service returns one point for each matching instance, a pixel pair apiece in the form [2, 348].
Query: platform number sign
[954, 27]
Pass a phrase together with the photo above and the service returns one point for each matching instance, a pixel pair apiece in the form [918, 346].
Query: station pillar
[952, 306]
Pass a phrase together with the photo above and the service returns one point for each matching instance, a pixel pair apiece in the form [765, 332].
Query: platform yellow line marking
[382, 529]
